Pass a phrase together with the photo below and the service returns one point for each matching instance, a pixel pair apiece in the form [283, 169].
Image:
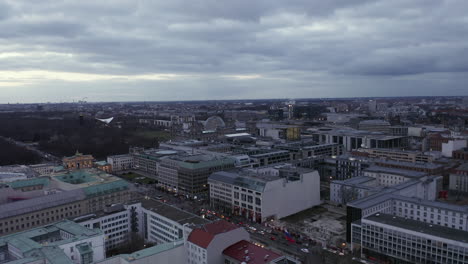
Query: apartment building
[264, 196]
[121, 162]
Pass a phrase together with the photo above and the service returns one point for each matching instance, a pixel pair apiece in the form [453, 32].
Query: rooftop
[463, 167]
[200, 161]
[249, 181]
[418, 226]
[401, 172]
[171, 212]
[40, 203]
[44, 181]
[244, 251]
[203, 236]
[422, 165]
[32, 242]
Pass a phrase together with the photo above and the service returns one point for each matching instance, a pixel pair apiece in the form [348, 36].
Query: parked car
[305, 250]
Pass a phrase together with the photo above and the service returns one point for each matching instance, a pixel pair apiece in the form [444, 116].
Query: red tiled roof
[255, 254]
[202, 237]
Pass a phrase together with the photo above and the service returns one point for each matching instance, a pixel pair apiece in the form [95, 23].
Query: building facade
[121, 162]
[261, 197]
[393, 239]
[78, 161]
[188, 174]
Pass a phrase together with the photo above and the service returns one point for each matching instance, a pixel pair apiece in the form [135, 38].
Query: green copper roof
[101, 163]
[76, 177]
[29, 182]
[105, 188]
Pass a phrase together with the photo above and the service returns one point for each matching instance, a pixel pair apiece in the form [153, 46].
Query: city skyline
[212, 50]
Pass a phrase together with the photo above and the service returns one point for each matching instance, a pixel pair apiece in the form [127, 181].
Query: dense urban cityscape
[371, 180]
[234, 132]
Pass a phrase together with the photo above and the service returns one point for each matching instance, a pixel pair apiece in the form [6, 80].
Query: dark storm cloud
[211, 47]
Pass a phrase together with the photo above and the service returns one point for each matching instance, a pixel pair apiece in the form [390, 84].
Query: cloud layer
[211, 49]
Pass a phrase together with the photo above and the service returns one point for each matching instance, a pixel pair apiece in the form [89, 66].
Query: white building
[118, 222]
[452, 145]
[390, 176]
[121, 162]
[259, 197]
[164, 223]
[395, 239]
[343, 192]
[43, 169]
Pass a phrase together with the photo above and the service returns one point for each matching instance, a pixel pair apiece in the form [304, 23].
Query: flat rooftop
[171, 212]
[418, 226]
[401, 172]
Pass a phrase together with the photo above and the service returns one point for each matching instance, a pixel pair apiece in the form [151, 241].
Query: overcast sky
[133, 50]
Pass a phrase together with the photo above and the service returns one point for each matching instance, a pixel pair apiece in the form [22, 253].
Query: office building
[70, 194]
[303, 150]
[262, 196]
[188, 174]
[119, 222]
[374, 126]
[121, 162]
[148, 160]
[354, 139]
[163, 223]
[398, 155]
[393, 239]
[390, 176]
[268, 157]
[61, 242]
[403, 205]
